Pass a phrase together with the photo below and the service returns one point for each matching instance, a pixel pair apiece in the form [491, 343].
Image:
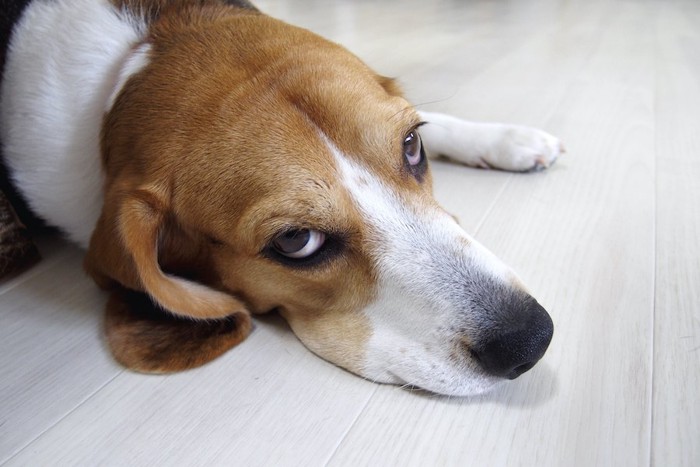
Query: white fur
[423, 259]
[62, 72]
[489, 145]
[135, 62]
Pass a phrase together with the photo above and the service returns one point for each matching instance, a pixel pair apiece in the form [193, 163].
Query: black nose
[518, 342]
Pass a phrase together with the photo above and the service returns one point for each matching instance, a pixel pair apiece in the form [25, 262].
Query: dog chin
[457, 385]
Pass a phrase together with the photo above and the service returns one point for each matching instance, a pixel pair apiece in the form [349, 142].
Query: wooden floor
[607, 240]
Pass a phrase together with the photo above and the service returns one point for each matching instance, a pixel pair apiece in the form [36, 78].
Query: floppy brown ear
[145, 338]
[149, 316]
[124, 250]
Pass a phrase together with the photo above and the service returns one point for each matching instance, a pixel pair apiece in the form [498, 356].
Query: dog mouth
[451, 383]
[504, 352]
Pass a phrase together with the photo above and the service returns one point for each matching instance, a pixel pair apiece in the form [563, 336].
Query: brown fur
[209, 153]
[147, 339]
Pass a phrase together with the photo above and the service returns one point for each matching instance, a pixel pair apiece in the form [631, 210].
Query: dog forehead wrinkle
[339, 95]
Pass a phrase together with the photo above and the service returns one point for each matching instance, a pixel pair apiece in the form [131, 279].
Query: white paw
[520, 148]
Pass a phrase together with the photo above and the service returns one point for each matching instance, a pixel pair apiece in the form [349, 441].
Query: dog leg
[489, 145]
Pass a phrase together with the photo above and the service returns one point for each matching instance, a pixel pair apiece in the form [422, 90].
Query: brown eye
[412, 148]
[299, 244]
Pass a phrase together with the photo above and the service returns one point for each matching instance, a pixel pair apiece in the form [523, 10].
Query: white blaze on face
[429, 272]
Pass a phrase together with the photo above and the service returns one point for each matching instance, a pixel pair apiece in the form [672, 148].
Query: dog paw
[521, 149]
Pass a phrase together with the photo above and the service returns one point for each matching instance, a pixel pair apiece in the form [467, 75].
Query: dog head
[252, 166]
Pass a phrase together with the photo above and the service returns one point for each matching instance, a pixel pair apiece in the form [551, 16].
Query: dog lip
[396, 379]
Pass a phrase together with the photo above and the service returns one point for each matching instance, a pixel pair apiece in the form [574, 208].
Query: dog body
[215, 162]
[54, 102]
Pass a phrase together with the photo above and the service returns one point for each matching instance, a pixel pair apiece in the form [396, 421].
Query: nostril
[520, 369]
[517, 348]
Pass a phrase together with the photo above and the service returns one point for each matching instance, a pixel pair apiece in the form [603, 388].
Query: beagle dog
[216, 163]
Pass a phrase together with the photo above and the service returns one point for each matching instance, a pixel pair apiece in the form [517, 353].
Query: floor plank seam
[342, 438]
[655, 105]
[492, 205]
[67, 414]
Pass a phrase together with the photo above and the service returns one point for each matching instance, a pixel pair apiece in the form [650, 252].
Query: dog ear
[124, 250]
[145, 338]
[390, 85]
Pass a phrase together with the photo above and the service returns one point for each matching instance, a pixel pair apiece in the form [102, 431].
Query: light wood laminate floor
[607, 240]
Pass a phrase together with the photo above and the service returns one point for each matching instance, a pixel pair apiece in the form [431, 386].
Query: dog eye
[413, 148]
[299, 244]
